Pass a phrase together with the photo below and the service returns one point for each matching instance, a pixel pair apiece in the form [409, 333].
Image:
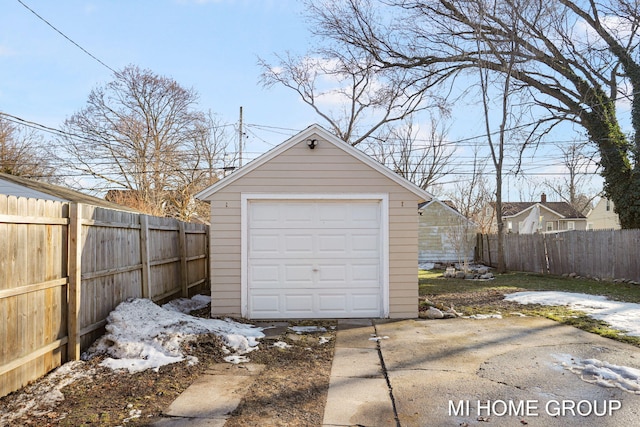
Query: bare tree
[22, 152]
[421, 160]
[142, 134]
[574, 187]
[577, 57]
[472, 194]
[208, 157]
[354, 98]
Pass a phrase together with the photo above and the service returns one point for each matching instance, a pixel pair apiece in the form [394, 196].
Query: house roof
[60, 193]
[448, 204]
[302, 136]
[563, 209]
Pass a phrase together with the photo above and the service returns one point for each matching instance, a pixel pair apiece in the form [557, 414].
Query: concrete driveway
[465, 372]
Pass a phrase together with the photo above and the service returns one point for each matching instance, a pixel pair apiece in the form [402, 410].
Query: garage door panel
[264, 275]
[265, 305]
[332, 244]
[299, 303]
[332, 273]
[332, 302]
[366, 302]
[298, 244]
[365, 244]
[298, 215]
[365, 273]
[297, 275]
[314, 259]
[365, 215]
[264, 244]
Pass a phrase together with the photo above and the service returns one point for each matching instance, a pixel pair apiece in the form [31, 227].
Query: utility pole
[240, 140]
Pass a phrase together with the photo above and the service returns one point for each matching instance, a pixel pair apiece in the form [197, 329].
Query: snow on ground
[307, 329]
[605, 374]
[484, 316]
[186, 305]
[39, 397]
[142, 335]
[624, 316]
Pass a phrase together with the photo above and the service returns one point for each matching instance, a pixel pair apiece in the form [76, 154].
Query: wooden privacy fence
[65, 266]
[605, 254]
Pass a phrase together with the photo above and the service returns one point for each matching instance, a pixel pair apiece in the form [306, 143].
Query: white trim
[245, 198]
[325, 137]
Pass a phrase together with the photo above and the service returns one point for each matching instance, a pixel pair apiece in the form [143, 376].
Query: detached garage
[314, 229]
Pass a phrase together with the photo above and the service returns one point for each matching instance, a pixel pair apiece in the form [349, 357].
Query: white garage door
[314, 259]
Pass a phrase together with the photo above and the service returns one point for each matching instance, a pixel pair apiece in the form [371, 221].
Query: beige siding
[324, 170]
[602, 217]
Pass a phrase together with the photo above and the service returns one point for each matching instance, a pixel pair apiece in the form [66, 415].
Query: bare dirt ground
[291, 391]
[474, 302]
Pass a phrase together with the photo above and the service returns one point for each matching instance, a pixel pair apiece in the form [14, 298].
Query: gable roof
[447, 204]
[563, 209]
[58, 193]
[302, 136]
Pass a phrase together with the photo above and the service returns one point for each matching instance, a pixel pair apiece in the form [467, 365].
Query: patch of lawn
[487, 297]
[431, 282]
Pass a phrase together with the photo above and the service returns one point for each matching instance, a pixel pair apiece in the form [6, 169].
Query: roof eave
[296, 139]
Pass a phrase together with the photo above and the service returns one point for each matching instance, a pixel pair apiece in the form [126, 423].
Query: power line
[65, 36]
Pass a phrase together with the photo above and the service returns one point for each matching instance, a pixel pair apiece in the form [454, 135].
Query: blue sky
[211, 46]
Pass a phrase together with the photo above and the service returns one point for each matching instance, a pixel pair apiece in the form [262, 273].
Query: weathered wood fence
[65, 266]
[605, 254]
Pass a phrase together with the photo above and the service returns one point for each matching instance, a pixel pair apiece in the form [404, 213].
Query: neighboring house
[18, 186]
[314, 228]
[602, 216]
[444, 234]
[550, 217]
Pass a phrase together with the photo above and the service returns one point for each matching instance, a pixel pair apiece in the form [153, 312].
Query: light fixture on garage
[312, 143]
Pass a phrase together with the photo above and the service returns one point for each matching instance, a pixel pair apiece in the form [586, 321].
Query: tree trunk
[501, 268]
[621, 180]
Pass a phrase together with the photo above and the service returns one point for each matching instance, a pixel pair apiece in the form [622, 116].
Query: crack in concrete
[386, 377]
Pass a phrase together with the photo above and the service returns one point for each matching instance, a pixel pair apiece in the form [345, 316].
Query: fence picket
[605, 254]
[64, 267]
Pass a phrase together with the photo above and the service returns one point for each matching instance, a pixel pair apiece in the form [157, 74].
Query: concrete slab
[503, 371]
[190, 422]
[358, 392]
[356, 362]
[356, 333]
[358, 401]
[212, 397]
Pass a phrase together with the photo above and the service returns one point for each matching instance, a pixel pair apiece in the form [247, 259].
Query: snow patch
[235, 359]
[186, 305]
[40, 397]
[484, 316]
[307, 329]
[281, 344]
[604, 374]
[624, 316]
[142, 335]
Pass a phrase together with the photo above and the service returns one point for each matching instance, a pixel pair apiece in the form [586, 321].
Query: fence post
[184, 274]
[75, 281]
[144, 255]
